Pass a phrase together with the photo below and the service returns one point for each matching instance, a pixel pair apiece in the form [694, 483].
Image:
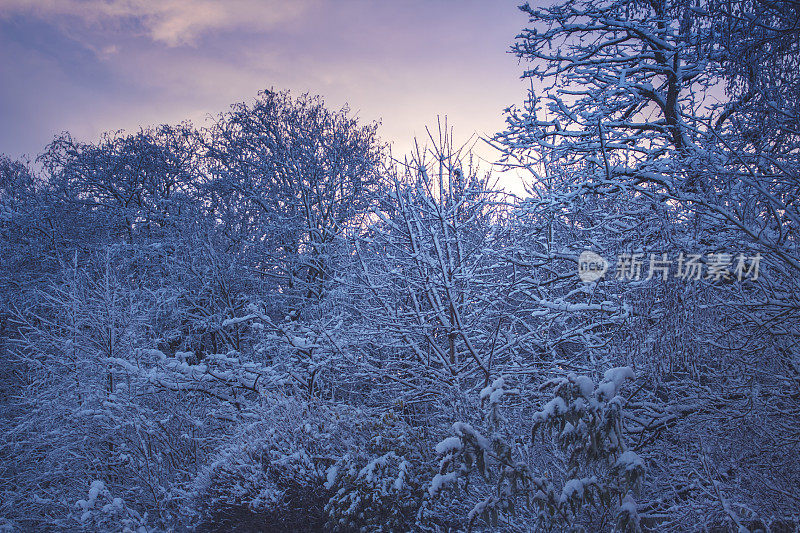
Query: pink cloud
[171, 22]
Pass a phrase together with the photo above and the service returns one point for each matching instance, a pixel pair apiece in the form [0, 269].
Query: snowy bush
[270, 474]
[306, 466]
[584, 476]
[100, 511]
[599, 473]
[383, 493]
[379, 486]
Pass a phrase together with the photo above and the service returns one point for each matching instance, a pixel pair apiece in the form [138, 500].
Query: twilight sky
[88, 66]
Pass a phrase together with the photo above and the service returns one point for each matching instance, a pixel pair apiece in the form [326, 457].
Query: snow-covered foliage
[100, 511]
[308, 467]
[582, 475]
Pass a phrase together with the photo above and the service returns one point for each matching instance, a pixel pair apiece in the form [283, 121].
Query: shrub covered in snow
[311, 466]
[583, 474]
[100, 511]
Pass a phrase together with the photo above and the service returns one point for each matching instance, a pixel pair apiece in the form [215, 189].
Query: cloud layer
[172, 22]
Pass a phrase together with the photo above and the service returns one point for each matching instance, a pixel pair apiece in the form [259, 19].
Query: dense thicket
[270, 324]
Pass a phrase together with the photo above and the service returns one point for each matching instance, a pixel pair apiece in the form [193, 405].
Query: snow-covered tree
[287, 177]
[430, 300]
[649, 111]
